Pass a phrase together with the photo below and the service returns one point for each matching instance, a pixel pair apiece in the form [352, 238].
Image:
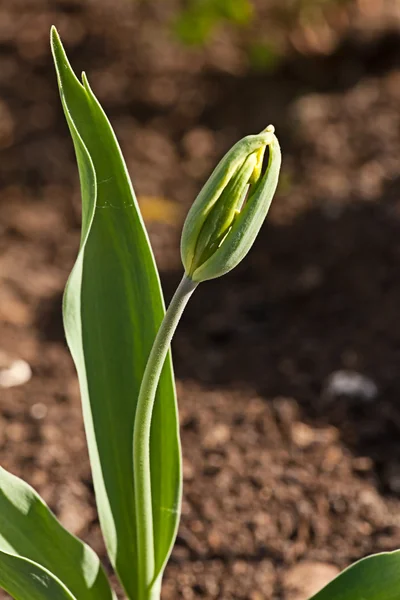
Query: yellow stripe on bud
[225, 218]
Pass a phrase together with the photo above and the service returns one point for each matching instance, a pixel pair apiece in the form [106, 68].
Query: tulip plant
[119, 335]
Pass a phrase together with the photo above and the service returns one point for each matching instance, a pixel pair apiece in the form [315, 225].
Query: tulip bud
[227, 215]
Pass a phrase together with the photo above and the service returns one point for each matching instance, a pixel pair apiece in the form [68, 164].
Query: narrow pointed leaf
[113, 307]
[28, 529]
[24, 579]
[376, 577]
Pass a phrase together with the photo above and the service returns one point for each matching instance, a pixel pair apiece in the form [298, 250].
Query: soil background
[288, 368]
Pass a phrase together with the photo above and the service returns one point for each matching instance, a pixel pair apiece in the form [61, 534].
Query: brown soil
[285, 480]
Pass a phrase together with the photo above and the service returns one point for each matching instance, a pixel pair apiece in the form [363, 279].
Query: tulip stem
[141, 439]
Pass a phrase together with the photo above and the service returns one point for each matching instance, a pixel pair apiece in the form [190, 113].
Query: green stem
[141, 437]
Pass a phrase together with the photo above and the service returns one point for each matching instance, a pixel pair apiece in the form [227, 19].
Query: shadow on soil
[312, 298]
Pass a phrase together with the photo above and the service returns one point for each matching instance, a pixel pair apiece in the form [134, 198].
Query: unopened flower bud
[227, 215]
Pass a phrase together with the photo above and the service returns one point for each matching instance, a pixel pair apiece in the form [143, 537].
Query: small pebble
[304, 436]
[18, 373]
[307, 578]
[219, 435]
[38, 411]
[351, 384]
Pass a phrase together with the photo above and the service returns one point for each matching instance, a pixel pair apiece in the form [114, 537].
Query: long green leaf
[28, 529]
[113, 307]
[23, 579]
[376, 577]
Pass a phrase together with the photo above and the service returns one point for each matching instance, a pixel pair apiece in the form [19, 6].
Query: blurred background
[288, 368]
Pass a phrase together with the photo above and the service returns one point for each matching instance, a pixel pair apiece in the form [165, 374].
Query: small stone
[217, 436]
[304, 436]
[307, 578]
[351, 384]
[17, 373]
[38, 411]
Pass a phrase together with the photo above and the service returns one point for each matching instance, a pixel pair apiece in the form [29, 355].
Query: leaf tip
[56, 47]
[86, 83]
[54, 37]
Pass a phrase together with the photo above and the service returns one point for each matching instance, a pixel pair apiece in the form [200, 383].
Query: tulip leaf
[24, 579]
[376, 577]
[28, 529]
[113, 307]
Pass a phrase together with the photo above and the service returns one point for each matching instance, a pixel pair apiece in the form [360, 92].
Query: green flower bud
[227, 215]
